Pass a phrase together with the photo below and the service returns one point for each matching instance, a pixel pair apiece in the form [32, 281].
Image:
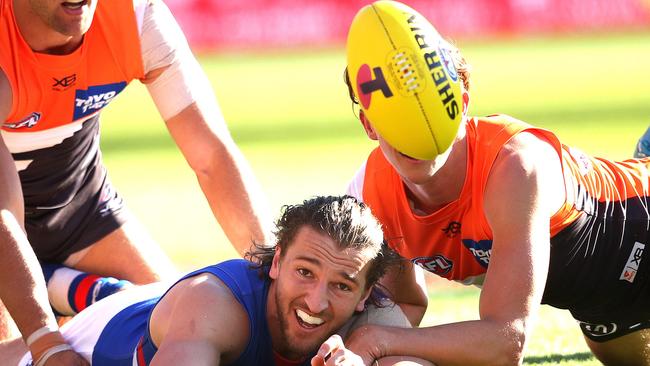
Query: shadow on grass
[554, 359]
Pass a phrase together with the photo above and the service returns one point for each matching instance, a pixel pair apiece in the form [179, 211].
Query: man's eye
[343, 287]
[304, 272]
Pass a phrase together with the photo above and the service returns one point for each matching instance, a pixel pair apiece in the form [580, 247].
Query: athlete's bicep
[518, 204]
[5, 97]
[190, 331]
[10, 191]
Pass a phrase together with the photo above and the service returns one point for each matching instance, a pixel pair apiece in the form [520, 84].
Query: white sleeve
[355, 187]
[163, 45]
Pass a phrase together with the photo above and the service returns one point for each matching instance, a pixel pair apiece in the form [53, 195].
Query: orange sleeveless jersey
[456, 241]
[51, 90]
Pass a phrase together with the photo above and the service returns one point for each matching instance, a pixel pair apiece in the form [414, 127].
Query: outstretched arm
[22, 286]
[199, 322]
[186, 101]
[518, 206]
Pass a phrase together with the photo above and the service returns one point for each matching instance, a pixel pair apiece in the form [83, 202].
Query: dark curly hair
[343, 218]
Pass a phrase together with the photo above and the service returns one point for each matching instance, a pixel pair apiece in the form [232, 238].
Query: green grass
[292, 119]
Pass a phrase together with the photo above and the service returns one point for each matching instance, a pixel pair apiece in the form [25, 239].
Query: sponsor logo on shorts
[481, 250]
[633, 263]
[29, 121]
[438, 264]
[95, 98]
[598, 330]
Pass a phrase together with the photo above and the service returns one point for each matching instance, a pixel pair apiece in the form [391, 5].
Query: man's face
[69, 18]
[316, 287]
[412, 170]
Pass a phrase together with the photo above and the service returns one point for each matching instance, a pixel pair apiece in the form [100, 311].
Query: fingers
[330, 345]
[333, 352]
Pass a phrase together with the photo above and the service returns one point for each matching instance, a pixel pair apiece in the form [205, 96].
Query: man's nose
[316, 298]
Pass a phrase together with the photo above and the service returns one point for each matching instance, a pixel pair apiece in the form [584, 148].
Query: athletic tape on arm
[164, 45]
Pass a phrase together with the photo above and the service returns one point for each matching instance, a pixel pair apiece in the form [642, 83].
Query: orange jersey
[455, 242]
[54, 90]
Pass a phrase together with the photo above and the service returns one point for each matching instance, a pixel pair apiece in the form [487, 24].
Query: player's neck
[444, 186]
[41, 37]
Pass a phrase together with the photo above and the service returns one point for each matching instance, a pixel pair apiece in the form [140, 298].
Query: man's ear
[275, 264]
[367, 126]
[362, 303]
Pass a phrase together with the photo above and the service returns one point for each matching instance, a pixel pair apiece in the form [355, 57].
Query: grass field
[291, 117]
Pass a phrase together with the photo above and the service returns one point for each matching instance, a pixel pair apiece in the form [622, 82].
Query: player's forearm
[236, 200]
[22, 287]
[477, 342]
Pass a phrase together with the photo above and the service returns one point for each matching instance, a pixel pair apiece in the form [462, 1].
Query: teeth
[308, 318]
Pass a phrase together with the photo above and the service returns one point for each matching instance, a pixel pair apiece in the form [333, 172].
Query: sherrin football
[403, 74]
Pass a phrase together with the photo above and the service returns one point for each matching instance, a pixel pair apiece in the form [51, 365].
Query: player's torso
[50, 91]
[455, 242]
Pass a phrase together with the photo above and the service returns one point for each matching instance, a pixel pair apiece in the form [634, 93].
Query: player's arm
[406, 288]
[199, 322]
[22, 286]
[185, 99]
[518, 207]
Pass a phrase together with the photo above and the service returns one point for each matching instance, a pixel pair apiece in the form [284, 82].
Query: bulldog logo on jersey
[95, 98]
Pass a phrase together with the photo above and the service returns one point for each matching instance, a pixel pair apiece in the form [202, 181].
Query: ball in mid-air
[403, 74]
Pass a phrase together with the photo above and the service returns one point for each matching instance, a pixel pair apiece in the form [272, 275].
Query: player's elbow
[511, 349]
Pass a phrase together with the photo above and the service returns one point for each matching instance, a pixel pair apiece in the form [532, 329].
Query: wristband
[41, 346]
[52, 351]
[39, 333]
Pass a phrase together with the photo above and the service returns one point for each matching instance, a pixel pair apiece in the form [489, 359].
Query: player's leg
[127, 253]
[70, 291]
[631, 349]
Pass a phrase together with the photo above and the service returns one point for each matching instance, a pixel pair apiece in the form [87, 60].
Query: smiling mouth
[308, 321]
[74, 4]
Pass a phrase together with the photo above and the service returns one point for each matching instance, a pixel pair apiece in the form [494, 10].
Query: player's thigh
[127, 253]
[629, 350]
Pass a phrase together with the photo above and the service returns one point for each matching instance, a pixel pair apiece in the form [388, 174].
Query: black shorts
[603, 332]
[56, 233]
[69, 201]
[600, 269]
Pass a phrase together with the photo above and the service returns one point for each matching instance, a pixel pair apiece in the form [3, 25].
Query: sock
[71, 291]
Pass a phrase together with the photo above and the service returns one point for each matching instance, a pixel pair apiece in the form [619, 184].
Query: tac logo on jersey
[95, 98]
[29, 121]
[438, 264]
[481, 250]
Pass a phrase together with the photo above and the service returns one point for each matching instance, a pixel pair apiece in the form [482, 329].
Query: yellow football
[403, 74]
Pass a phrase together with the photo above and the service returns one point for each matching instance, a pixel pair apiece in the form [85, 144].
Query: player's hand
[333, 352]
[66, 358]
[366, 341]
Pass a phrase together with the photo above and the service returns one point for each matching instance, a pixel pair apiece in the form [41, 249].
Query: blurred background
[578, 67]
